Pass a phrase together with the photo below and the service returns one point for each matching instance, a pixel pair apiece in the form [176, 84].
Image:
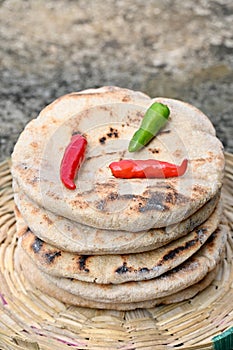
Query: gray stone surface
[174, 48]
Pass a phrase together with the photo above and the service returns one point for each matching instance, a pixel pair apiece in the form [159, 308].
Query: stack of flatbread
[118, 243]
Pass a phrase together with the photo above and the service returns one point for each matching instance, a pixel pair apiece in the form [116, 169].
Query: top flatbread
[108, 117]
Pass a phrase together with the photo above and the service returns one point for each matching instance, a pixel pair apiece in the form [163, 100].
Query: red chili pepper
[150, 168]
[72, 160]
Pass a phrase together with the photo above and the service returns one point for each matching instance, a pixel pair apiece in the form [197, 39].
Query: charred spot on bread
[172, 253]
[154, 202]
[37, 245]
[144, 269]
[102, 140]
[51, 256]
[82, 260]
[122, 269]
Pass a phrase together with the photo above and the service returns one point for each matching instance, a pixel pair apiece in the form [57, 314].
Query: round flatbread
[118, 268]
[108, 118]
[38, 279]
[74, 237]
[190, 272]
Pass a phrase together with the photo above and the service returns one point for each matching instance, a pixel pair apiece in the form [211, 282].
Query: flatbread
[21, 226]
[74, 237]
[38, 280]
[190, 272]
[118, 268]
[101, 200]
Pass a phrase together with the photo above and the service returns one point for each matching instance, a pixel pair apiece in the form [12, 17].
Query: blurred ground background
[172, 48]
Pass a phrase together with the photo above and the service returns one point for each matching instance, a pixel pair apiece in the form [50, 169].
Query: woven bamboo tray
[32, 320]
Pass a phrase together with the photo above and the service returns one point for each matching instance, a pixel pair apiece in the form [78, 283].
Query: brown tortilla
[38, 280]
[71, 236]
[108, 118]
[118, 268]
[190, 272]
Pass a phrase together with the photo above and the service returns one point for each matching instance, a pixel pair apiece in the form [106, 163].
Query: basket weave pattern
[32, 320]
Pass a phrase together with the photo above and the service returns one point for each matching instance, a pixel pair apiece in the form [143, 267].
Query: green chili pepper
[155, 118]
